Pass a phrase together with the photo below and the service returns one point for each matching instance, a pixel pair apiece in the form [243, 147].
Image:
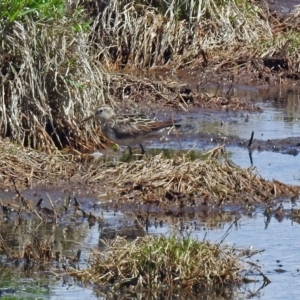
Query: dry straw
[49, 80]
[154, 178]
[218, 181]
[165, 262]
[52, 73]
[176, 30]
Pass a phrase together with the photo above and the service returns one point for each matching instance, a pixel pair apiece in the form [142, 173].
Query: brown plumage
[129, 129]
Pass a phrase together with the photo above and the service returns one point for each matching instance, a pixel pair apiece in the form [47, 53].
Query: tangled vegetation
[154, 179]
[56, 63]
[166, 262]
[53, 55]
[46, 73]
[182, 180]
[177, 31]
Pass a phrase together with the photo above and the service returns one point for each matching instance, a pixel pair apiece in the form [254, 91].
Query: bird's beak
[88, 118]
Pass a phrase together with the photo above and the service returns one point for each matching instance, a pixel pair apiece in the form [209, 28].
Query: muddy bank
[179, 185]
[259, 47]
[289, 145]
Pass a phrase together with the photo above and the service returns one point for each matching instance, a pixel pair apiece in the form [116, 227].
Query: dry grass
[45, 98]
[159, 262]
[49, 81]
[149, 261]
[52, 74]
[230, 34]
[145, 94]
[146, 36]
[152, 179]
[217, 181]
[29, 168]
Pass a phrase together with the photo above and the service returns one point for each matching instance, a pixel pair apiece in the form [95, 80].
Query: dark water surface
[281, 240]
[280, 261]
[279, 119]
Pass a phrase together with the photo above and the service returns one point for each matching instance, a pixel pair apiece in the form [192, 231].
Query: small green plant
[16, 10]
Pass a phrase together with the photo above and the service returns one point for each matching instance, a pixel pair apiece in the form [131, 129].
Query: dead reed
[221, 36]
[29, 168]
[52, 73]
[152, 179]
[48, 78]
[174, 32]
[215, 181]
[165, 262]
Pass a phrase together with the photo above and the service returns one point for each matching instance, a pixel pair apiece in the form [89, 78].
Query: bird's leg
[130, 154]
[142, 149]
[130, 151]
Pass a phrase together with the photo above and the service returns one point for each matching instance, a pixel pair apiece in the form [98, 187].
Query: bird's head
[102, 113]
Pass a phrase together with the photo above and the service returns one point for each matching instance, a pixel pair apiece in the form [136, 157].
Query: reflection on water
[270, 165]
[280, 260]
[280, 240]
[279, 119]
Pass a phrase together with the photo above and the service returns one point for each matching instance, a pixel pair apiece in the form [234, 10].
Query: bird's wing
[134, 125]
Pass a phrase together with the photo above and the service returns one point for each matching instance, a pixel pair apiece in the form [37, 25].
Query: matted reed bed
[154, 178]
[167, 262]
[29, 167]
[239, 36]
[150, 261]
[213, 180]
[174, 31]
[53, 57]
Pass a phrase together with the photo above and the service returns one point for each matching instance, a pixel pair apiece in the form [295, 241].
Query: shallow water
[281, 243]
[279, 240]
[283, 6]
[279, 119]
[20, 283]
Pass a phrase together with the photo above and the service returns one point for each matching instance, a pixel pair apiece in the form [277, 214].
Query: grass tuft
[151, 33]
[215, 181]
[161, 262]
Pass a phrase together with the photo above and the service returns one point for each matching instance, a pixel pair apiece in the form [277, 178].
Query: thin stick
[251, 140]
